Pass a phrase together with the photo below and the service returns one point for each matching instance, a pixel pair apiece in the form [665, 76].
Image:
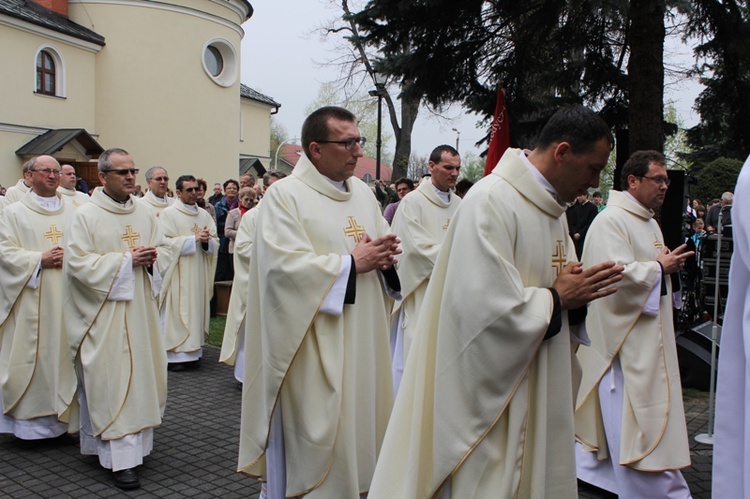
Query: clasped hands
[143, 256]
[380, 253]
[203, 236]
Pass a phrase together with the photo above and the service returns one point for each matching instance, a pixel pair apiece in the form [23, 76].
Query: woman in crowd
[201, 201]
[248, 199]
[230, 201]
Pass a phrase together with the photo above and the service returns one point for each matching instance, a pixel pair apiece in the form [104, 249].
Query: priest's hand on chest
[52, 258]
[578, 286]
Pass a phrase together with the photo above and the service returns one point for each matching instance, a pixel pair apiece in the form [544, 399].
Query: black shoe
[177, 367]
[126, 479]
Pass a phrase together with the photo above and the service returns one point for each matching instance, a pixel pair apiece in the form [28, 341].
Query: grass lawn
[216, 330]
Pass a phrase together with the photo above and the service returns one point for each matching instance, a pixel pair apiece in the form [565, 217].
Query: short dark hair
[182, 179]
[277, 174]
[104, 163]
[464, 185]
[577, 125]
[231, 181]
[315, 126]
[409, 183]
[596, 194]
[248, 174]
[437, 153]
[638, 164]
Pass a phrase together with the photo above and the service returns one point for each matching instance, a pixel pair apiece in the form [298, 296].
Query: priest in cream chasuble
[633, 354]
[421, 222]
[68, 190]
[188, 282]
[156, 196]
[235, 325]
[117, 340]
[37, 378]
[15, 192]
[111, 313]
[323, 366]
[485, 406]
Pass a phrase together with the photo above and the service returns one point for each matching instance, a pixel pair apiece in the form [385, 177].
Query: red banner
[500, 133]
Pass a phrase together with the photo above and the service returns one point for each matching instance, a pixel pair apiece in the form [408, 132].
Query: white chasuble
[73, 197]
[486, 404]
[36, 369]
[188, 282]
[421, 223]
[16, 192]
[119, 342]
[654, 433]
[243, 244]
[157, 205]
[331, 374]
[732, 444]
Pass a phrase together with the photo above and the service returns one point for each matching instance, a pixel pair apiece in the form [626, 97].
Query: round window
[214, 61]
[220, 62]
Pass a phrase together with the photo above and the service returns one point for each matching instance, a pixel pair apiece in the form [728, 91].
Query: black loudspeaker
[671, 219]
[694, 355]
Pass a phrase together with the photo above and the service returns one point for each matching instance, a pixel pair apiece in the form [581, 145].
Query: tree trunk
[409, 112]
[646, 75]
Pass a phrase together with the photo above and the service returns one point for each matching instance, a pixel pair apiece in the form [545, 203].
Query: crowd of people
[403, 341]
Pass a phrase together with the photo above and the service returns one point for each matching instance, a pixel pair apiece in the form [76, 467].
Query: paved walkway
[195, 450]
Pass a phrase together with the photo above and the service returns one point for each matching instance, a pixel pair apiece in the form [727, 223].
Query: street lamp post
[379, 92]
[458, 136]
[276, 157]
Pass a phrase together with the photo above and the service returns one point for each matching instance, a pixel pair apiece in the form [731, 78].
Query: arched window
[45, 73]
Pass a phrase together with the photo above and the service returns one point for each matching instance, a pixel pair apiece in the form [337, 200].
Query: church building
[159, 79]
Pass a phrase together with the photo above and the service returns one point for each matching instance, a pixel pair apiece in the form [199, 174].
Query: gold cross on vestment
[559, 258]
[195, 229]
[658, 244]
[54, 234]
[354, 230]
[445, 227]
[130, 237]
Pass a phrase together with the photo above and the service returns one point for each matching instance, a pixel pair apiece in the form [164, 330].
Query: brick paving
[195, 450]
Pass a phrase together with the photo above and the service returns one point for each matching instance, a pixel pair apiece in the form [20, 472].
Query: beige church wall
[153, 96]
[10, 171]
[256, 129]
[25, 114]
[73, 108]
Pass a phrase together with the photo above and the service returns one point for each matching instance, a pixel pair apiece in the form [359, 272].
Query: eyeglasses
[191, 189]
[348, 143]
[47, 171]
[161, 179]
[659, 180]
[123, 171]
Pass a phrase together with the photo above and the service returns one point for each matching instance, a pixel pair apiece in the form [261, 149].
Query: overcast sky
[281, 56]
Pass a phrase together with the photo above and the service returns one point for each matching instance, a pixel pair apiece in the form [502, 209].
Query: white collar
[539, 177]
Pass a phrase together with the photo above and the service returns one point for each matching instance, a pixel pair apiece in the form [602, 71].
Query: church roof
[249, 93]
[52, 141]
[34, 14]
